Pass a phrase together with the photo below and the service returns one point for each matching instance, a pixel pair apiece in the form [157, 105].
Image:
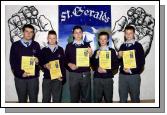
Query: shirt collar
[53, 49]
[104, 48]
[24, 42]
[81, 42]
[130, 42]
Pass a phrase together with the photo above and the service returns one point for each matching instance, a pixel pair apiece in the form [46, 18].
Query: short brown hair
[52, 32]
[128, 27]
[28, 26]
[77, 27]
[103, 33]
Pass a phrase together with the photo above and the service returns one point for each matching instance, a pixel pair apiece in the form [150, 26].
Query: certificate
[55, 71]
[82, 57]
[105, 59]
[129, 59]
[28, 65]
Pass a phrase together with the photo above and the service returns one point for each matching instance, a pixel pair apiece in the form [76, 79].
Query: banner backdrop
[91, 17]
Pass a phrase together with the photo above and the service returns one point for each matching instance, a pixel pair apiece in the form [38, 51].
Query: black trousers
[51, 88]
[27, 88]
[80, 87]
[103, 87]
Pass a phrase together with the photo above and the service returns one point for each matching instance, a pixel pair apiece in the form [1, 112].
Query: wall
[51, 12]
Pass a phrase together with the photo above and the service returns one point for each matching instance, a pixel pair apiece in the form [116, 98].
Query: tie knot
[129, 44]
[78, 45]
[54, 49]
[27, 43]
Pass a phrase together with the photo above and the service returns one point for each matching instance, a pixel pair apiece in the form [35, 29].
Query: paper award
[105, 59]
[129, 59]
[28, 65]
[82, 57]
[55, 71]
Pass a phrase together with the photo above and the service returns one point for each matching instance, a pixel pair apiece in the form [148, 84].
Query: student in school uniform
[103, 78]
[129, 78]
[52, 87]
[79, 77]
[26, 85]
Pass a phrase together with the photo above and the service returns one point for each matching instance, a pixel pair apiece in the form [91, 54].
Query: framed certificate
[82, 57]
[129, 59]
[28, 65]
[55, 71]
[105, 59]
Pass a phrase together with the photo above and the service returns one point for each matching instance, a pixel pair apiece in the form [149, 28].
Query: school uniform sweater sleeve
[62, 65]
[140, 59]
[94, 61]
[14, 61]
[67, 60]
[43, 59]
[38, 49]
[67, 51]
[120, 60]
[114, 63]
[38, 55]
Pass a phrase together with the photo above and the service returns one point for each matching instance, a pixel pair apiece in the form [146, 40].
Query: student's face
[52, 39]
[78, 34]
[28, 34]
[103, 40]
[129, 34]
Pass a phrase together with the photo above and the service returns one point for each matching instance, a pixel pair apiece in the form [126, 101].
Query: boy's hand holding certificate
[105, 59]
[28, 65]
[55, 71]
[129, 59]
[82, 57]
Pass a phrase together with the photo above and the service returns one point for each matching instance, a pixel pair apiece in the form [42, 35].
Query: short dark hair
[128, 27]
[103, 33]
[28, 26]
[52, 32]
[77, 27]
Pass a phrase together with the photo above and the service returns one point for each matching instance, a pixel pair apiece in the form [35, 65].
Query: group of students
[79, 77]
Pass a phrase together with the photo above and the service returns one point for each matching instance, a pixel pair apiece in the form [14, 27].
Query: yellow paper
[129, 59]
[55, 71]
[82, 57]
[28, 65]
[105, 59]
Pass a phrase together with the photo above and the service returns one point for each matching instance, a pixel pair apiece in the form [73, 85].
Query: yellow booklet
[28, 65]
[129, 59]
[82, 57]
[105, 59]
[55, 71]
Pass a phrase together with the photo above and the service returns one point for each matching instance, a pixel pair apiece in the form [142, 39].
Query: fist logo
[27, 15]
[144, 26]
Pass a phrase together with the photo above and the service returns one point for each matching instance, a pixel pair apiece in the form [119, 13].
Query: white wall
[51, 12]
